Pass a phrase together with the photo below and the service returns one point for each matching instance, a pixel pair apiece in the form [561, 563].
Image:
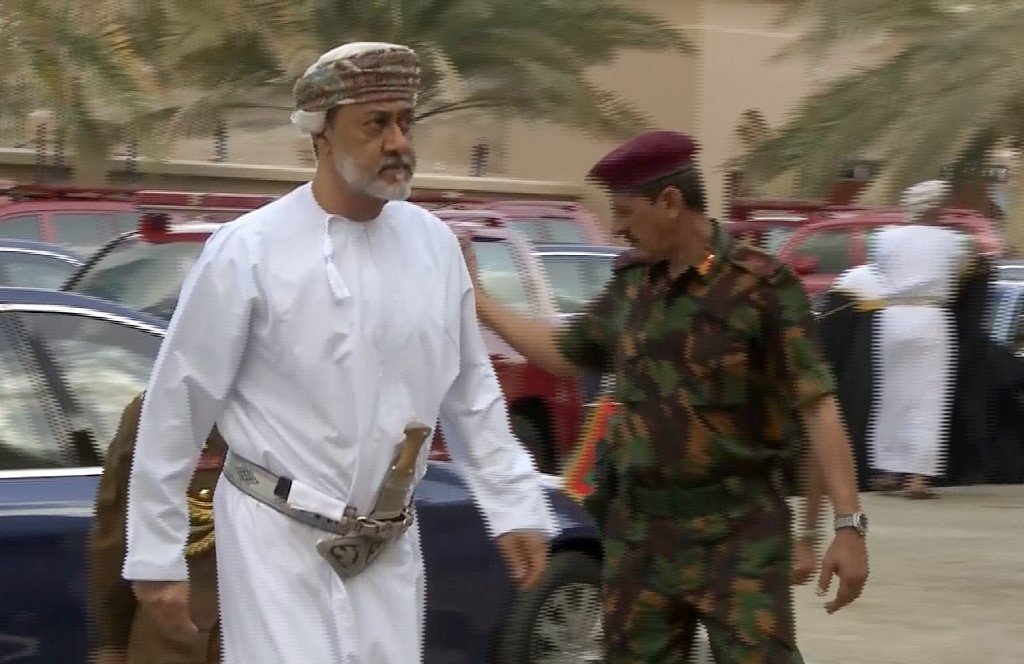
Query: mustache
[397, 161]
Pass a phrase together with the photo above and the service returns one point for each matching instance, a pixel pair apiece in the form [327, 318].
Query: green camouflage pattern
[710, 370]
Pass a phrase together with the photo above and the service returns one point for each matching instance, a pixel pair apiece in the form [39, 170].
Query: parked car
[1005, 315]
[70, 363]
[578, 273]
[563, 222]
[79, 218]
[1010, 270]
[820, 252]
[144, 270]
[767, 223]
[30, 264]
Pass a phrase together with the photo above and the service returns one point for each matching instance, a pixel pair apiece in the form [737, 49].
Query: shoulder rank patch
[759, 263]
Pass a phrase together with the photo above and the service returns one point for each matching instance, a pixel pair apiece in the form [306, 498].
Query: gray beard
[376, 188]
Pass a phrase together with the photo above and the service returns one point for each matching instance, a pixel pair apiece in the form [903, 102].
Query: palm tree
[203, 60]
[77, 62]
[950, 95]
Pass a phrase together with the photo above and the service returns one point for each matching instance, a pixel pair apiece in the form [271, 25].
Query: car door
[65, 375]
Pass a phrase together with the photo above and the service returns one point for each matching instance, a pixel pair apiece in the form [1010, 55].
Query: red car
[144, 270]
[543, 222]
[79, 218]
[820, 252]
[769, 223]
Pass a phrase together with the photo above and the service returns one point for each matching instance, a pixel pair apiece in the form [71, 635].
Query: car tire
[560, 619]
[529, 434]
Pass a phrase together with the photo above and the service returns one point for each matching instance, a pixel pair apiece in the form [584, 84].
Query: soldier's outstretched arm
[533, 339]
[562, 352]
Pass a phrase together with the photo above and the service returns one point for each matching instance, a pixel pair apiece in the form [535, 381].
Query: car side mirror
[804, 265]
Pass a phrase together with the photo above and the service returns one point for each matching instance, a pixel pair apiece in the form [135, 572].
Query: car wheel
[529, 434]
[560, 619]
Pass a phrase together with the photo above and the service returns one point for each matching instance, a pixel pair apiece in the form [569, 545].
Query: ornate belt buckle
[350, 554]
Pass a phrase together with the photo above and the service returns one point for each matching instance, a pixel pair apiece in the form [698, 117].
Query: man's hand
[847, 558]
[526, 554]
[804, 562]
[109, 656]
[168, 601]
[466, 242]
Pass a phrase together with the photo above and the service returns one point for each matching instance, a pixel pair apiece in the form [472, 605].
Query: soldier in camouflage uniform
[711, 346]
[127, 632]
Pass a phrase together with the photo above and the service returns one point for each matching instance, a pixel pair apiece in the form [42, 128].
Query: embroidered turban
[645, 159]
[355, 73]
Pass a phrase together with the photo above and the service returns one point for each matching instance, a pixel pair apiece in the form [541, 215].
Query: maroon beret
[644, 159]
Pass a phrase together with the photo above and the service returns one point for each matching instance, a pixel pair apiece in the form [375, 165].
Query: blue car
[28, 264]
[70, 363]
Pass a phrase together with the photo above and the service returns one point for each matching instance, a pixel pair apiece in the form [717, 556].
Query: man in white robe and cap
[919, 267]
[319, 333]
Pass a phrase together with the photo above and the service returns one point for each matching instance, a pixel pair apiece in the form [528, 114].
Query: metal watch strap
[857, 521]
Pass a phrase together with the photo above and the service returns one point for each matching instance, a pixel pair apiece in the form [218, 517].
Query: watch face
[862, 522]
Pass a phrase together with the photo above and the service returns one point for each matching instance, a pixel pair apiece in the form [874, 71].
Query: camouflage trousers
[727, 569]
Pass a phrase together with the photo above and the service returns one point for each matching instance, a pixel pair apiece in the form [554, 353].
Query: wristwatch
[858, 521]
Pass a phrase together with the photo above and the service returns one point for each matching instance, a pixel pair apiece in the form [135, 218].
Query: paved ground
[946, 586]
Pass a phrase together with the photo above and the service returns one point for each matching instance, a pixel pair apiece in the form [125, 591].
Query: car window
[577, 280]
[502, 274]
[1010, 273]
[30, 270]
[141, 275]
[91, 368]
[831, 248]
[552, 230]
[22, 227]
[84, 231]
[775, 238]
[27, 439]
[126, 221]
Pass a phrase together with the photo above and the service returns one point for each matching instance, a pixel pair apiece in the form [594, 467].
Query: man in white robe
[918, 265]
[312, 331]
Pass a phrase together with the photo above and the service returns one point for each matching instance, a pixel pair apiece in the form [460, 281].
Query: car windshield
[141, 275]
[775, 238]
[503, 274]
[552, 230]
[577, 278]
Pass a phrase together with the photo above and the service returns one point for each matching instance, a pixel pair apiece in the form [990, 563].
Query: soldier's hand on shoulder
[168, 601]
[466, 243]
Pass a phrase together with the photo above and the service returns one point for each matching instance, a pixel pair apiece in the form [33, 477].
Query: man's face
[370, 146]
[651, 228]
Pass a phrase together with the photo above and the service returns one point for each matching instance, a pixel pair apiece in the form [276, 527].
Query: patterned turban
[355, 73]
[924, 197]
[643, 160]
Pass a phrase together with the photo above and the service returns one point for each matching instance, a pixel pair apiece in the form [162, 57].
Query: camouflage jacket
[710, 367]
